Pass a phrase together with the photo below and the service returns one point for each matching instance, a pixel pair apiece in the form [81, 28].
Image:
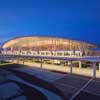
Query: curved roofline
[96, 46]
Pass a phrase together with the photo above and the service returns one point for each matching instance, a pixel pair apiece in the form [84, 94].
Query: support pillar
[23, 61]
[10, 60]
[41, 64]
[80, 64]
[99, 66]
[94, 70]
[1, 58]
[32, 60]
[18, 60]
[71, 66]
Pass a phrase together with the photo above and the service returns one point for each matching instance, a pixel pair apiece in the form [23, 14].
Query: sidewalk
[66, 69]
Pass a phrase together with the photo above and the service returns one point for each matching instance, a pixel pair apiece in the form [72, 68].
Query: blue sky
[75, 19]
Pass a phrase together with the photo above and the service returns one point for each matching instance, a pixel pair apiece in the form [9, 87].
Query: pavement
[74, 87]
[66, 69]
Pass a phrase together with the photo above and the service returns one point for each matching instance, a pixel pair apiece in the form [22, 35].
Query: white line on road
[80, 90]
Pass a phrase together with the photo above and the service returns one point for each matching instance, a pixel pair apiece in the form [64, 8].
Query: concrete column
[23, 61]
[94, 70]
[15, 60]
[80, 64]
[11, 60]
[32, 60]
[0, 61]
[18, 60]
[71, 66]
[99, 66]
[41, 63]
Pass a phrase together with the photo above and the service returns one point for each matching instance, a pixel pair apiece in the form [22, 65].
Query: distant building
[47, 46]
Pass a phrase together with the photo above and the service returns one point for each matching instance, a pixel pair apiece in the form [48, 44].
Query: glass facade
[46, 46]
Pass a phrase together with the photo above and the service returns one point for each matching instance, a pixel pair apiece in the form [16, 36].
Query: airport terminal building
[47, 46]
[45, 52]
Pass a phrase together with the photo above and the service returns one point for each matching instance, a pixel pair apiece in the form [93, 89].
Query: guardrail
[83, 58]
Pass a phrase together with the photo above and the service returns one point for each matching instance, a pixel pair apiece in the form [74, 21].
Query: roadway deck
[74, 87]
[66, 69]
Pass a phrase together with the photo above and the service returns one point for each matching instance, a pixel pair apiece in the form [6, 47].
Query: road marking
[70, 85]
[96, 81]
[65, 85]
[80, 90]
[91, 92]
[79, 77]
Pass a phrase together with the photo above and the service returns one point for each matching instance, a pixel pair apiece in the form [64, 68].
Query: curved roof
[36, 41]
